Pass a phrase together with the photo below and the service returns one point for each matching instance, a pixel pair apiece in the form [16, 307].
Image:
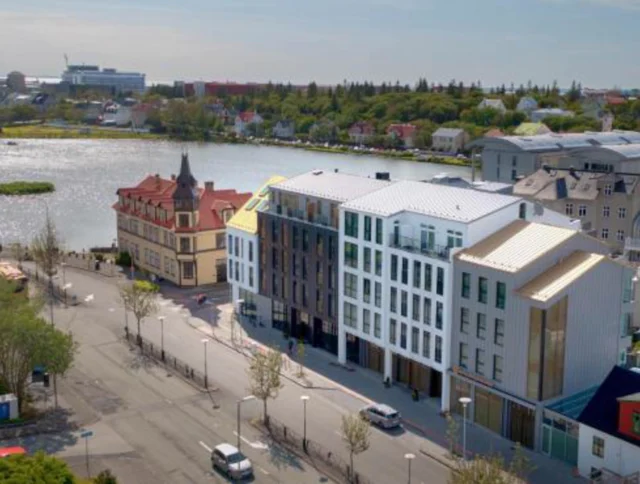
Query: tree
[39, 468]
[18, 252]
[492, 470]
[140, 298]
[28, 342]
[105, 477]
[355, 434]
[264, 377]
[452, 434]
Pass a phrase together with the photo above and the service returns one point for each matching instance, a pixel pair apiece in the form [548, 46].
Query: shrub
[25, 188]
[124, 259]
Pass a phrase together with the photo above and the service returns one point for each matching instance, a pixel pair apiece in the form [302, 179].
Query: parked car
[229, 460]
[381, 415]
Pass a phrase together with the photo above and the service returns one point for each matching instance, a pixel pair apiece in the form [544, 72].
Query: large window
[415, 340]
[279, 315]
[393, 300]
[367, 228]
[378, 263]
[350, 315]
[464, 355]
[366, 321]
[378, 231]
[394, 267]
[426, 311]
[403, 336]
[305, 240]
[350, 285]
[482, 290]
[351, 224]
[597, 446]
[426, 344]
[438, 350]
[497, 368]
[366, 290]
[405, 270]
[440, 281]
[377, 325]
[367, 259]
[501, 295]
[404, 302]
[427, 277]
[498, 337]
[351, 255]
[481, 329]
[378, 295]
[416, 274]
[439, 315]
[466, 285]
[415, 307]
[464, 320]
[479, 361]
[393, 326]
[250, 251]
[187, 270]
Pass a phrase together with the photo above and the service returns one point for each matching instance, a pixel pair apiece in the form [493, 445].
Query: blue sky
[495, 41]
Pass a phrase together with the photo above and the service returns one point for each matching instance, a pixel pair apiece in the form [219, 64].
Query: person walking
[290, 347]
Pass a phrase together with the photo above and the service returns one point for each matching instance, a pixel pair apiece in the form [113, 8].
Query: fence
[58, 291]
[88, 262]
[316, 452]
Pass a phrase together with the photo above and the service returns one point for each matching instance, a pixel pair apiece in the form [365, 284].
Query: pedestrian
[290, 347]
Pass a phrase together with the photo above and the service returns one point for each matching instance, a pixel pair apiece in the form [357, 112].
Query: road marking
[263, 471]
[256, 445]
[206, 447]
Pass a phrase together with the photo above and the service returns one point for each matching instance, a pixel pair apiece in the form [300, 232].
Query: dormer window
[183, 220]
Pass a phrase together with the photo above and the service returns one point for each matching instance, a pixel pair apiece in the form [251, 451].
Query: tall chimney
[208, 186]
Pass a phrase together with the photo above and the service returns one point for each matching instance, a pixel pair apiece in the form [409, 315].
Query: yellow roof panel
[246, 218]
[559, 277]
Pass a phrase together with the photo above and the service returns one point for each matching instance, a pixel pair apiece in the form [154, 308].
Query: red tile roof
[247, 116]
[158, 192]
[402, 131]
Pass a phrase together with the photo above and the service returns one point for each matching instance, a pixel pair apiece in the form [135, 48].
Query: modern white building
[109, 78]
[396, 278]
[243, 268]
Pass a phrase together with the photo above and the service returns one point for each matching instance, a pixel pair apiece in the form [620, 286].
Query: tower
[185, 197]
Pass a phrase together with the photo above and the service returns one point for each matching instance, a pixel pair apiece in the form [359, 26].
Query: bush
[25, 188]
[105, 477]
[124, 259]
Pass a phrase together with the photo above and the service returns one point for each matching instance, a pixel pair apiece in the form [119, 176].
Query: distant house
[361, 132]
[539, 114]
[246, 119]
[494, 133]
[527, 104]
[496, 104]
[284, 129]
[323, 132]
[406, 133]
[531, 129]
[450, 140]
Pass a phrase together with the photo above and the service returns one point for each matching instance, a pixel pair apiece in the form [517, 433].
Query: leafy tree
[23, 112]
[492, 470]
[139, 297]
[40, 468]
[355, 433]
[452, 434]
[264, 377]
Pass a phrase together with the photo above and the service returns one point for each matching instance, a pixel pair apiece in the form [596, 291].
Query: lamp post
[465, 401]
[305, 399]
[66, 287]
[240, 402]
[409, 458]
[206, 377]
[64, 280]
[161, 319]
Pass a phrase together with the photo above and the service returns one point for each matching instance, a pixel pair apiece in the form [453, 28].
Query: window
[607, 190]
[498, 336]
[187, 270]
[440, 281]
[464, 320]
[237, 246]
[378, 263]
[620, 235]
[501, 295]
[250, 251]
[185, 244]
[582, 210]
[416, 274]
[482, 290]
[605, 233]
[275, 229]
[497, 368]
[378, 231]
[622, 212]
[230, 270]
[426, 344]
[404, 302]
[403, 336]
[251, 276]
[350, 285]
[597, 446]
[392, 331]
[439, 309]
[350, 254]
[481, 326]
[319, 273]
[183, 220]
[415, 307]
[438, 355]
[394, 267]
[230, 244]
[304, 268]
[514, 175]
[305, 240]
[351, 224]
[330, 311]
[366, 321]
[605, 211]
[367, 259]
[405, 270]
[427, 237]
[454, 239]
[415, 340]
[427, 277]
[319, 301]
[393, 300]
[367, 228]
[464, 355]
[296, 237]
[305, 298]
[366, 290]
[377, 323]
[522, 211]
[480, 361]
[568, 209]
[466, 285]
[426, 311]
[332, 247]
[350, 315]
[319, 245]
[378, 295]
[635, 421]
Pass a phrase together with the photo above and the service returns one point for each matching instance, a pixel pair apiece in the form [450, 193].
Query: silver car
[231, 461]
[381, 415]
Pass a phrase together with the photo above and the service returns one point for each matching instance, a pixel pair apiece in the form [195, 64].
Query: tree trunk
[265, 417]
[351, 473]
[139, 338]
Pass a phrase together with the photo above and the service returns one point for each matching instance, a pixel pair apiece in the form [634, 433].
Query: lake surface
[87, 174]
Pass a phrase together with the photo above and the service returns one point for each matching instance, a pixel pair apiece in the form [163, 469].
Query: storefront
[417, 376]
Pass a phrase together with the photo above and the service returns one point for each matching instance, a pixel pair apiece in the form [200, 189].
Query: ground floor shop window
[459, 389]
[279, 316]
[560, 438]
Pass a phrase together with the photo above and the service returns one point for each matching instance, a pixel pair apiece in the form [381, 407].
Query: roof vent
[318, 172]
[335, 170]
[457, 207]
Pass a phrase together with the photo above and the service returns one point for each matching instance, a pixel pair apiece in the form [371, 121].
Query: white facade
[241, 125]
[92, 76]
[618, 456]
[242, 261]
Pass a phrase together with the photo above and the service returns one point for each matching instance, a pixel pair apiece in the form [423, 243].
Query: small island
[26, 188]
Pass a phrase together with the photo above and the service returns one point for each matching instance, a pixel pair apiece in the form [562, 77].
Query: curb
[445, 462]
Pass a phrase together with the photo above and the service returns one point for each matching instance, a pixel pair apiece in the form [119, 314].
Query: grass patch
[26, 188]
[72, 132]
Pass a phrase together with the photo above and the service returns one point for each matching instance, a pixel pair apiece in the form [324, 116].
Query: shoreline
[85, 132]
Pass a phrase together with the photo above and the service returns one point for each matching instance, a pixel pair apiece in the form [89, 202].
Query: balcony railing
[417, 246]
[632, 244]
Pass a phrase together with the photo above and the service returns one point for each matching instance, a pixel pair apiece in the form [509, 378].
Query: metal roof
[629, 152]
[566, 141]
[515, 246]
[452, 132]
[247, 217]
[572, 406]
[339, 187]
[432, 199]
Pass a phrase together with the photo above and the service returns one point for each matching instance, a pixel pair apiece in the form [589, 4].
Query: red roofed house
[244, 120]
[404, 132]
[176, 230]
[361, 132]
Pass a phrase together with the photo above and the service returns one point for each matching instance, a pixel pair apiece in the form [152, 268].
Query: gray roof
[448, 132]
[629, 152]
[565, 141]
[339, 187]
[440, 201]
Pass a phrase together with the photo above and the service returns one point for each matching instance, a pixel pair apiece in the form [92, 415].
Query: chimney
[208, 186]
[173, 177]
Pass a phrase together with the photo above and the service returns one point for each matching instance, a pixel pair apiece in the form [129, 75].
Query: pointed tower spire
[185, 195]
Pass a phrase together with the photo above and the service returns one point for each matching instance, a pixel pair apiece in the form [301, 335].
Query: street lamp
[161, 319]
[465, 401]
[206, 377]
[409, 458]
[66, 287]
[305, 399]
[240, 402]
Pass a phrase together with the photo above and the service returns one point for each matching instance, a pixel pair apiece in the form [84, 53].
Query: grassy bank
[26, 188]
[76, 132]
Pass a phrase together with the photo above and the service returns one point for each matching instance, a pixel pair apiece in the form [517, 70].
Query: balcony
[416, 246]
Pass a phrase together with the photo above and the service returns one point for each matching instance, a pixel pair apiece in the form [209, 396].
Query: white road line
[255, 445]
[206, 447]
[266, 473]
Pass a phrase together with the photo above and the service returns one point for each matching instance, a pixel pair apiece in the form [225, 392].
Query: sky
[595, 42]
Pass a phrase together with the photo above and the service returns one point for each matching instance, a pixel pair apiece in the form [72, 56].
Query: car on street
[229, 460]
[381, 415]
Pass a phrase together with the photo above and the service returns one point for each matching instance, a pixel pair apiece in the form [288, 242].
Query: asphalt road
[168, 424]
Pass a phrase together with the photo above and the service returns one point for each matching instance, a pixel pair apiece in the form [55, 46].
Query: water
[87, 174]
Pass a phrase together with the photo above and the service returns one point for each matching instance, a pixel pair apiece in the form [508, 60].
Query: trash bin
[45, 380]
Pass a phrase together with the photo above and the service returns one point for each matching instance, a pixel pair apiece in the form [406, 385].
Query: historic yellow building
[176, 230]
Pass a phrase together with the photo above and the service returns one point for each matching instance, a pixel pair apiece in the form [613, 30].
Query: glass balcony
[420, 247]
